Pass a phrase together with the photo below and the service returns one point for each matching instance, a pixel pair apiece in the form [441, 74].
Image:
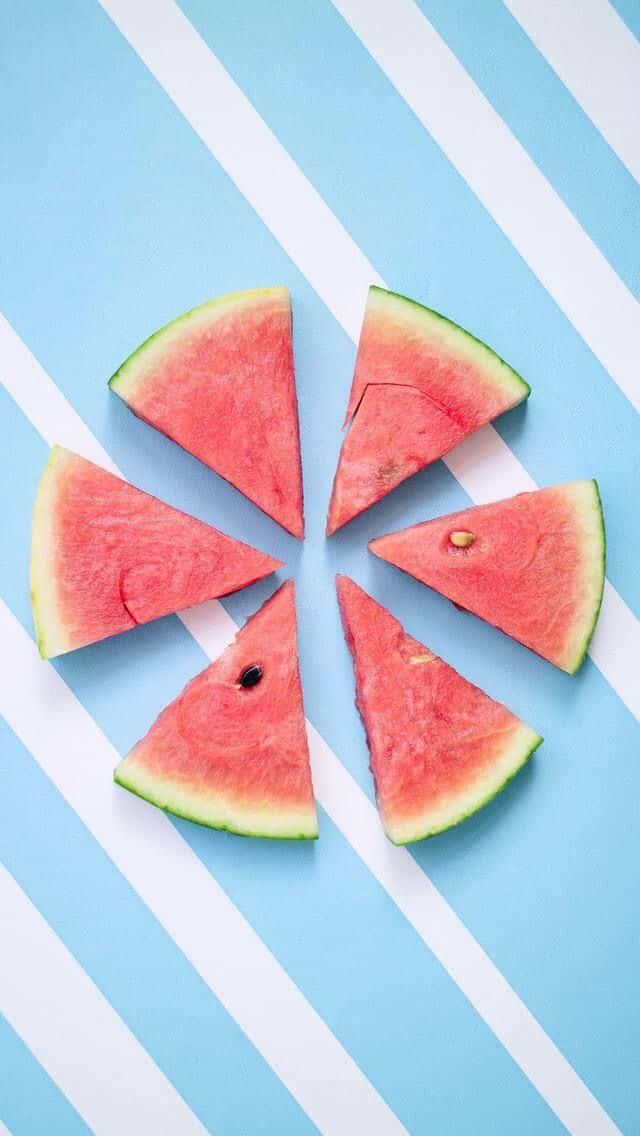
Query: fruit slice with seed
[534, 568]
[231, 751]
[440, 748]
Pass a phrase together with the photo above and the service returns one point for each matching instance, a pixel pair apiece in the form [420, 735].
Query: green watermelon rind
[217, 820]
[601, 560]
[124, 381]
[480, 349]
[51, 634]
[531, 740]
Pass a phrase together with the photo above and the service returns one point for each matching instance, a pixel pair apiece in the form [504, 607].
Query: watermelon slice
[220, 382]
[106, 556]
[440, 748]
[231, 751]
[421, 384]
[532, 565]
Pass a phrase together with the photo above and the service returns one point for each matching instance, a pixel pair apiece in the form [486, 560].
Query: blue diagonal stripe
[102, 250]
[30, 1102]
[366, 153]
[313, 906]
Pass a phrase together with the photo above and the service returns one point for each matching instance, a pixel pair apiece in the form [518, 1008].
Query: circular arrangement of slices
[231, 750]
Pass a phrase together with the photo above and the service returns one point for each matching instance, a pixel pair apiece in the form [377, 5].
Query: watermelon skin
[421, 385]
[535, 568]
[220, 382]
[440, 747]
[106, 556]
[235, 758]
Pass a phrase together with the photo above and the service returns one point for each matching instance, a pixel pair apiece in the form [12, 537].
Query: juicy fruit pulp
[440, 748]
[534, 566]
[421, 384]
[220, 382]
[107, 556]
[234, 755]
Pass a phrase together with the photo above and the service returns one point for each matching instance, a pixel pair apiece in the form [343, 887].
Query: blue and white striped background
[159, 978]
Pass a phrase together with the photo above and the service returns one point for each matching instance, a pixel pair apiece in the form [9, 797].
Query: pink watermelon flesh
[534, 566]
[440, 748]
[231, 756]
[395, 433]
[421, 385]
[107, 556]
[220, 382]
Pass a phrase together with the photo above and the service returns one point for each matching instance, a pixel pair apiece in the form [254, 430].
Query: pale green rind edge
[598, 601]
[479, 804]
[520, 383]
[38, 558]
[129, 371]
[208, 823]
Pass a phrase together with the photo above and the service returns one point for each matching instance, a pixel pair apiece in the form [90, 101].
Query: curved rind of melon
[424, 322]
[588, 506]
[125, 380]
[52, 636]
[463, 805]
[215, 811]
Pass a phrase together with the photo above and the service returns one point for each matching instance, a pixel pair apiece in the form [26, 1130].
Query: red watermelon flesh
[396, 432]
[235, 756]
[440, 748]
[220, 382]
[421, 385]
[532, 565]
[107, 556]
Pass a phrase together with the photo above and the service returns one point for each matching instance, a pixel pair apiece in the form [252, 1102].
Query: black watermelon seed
[251, 676]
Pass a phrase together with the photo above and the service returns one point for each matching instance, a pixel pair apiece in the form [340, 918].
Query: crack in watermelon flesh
[440, 747]
[421, 385]
[235, 757]
[220, 382]
[535, 568]
[107, 556]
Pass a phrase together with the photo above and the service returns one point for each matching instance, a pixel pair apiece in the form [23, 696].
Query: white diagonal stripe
[484, 465]
[189, 903]
[465, 126]
[4, 1131]
[224, 949]
[597, 57]
[502, 175]
[349, 808]
[315, 240]
[75, 1033]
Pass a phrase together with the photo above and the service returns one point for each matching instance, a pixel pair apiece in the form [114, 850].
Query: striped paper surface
[160, 978]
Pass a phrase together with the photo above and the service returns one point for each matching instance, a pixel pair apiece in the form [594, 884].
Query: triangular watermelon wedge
[421, 385]
[231, 751]
[219, 380]
[440, 748]
[106, 556]
[532, 565]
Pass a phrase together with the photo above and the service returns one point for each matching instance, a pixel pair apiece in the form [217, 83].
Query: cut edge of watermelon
[588, 505]
[452, 335]
[124, 381]
[463, 805]
[217, 812]
[52, 636]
